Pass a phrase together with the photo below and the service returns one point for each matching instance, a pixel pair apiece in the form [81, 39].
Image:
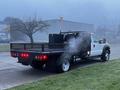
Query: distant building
[55, 27]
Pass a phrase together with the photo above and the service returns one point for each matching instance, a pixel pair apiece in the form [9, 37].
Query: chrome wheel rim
[107, 56]
[65, 65]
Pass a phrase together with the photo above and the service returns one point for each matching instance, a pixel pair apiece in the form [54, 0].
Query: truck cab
[97, 45]
[100, 48]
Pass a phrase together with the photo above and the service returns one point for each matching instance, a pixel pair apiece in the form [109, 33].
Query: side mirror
[100, 41]
[104, 40]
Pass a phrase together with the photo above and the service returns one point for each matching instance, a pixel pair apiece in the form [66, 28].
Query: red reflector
[45, 57]
[24, 55]
[42, 57]
[14, 54]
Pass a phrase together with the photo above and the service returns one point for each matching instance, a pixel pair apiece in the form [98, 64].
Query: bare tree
[29, 27]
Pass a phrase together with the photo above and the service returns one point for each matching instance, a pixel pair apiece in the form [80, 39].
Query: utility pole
[61, 24]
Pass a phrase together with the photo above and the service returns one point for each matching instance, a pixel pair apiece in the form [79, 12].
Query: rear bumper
[29, 61]
[32, 57]
[14, 54]
[24, 61]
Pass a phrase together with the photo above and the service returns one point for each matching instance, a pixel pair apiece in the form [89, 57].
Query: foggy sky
[88, 11]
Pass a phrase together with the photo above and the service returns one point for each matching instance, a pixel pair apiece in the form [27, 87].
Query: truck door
[96, 46]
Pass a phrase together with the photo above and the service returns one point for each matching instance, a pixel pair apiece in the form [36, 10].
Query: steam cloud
[77, 45]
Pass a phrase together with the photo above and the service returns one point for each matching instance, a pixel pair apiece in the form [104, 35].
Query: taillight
[42, 57]
[24, 55]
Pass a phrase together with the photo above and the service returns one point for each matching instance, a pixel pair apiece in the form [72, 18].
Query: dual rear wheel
[54, 64]
[63, 65]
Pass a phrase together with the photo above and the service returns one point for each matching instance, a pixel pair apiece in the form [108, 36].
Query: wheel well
[106, 48]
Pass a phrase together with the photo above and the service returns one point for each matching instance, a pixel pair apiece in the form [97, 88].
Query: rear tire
[106, 55]
[63, 65]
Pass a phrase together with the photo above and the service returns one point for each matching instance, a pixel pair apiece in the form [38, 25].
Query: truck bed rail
[26, 46]
[36, 46]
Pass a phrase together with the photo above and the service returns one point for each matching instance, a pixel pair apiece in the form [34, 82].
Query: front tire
[105, 56]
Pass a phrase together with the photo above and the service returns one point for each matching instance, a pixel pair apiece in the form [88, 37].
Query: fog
[100, 12]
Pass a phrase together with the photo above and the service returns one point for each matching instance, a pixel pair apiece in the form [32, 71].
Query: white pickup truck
[62, 49]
